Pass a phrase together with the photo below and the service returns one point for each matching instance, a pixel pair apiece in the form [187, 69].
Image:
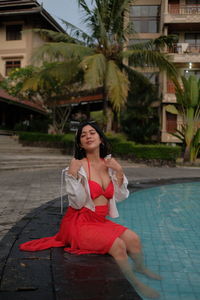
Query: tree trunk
[186, 157]
[106, 112]
[115, 125]
[109, 119]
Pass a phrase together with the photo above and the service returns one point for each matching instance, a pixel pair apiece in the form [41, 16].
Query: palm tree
[188, 106]
[100, 58]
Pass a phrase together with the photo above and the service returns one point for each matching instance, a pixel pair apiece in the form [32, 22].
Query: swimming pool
[167, 219]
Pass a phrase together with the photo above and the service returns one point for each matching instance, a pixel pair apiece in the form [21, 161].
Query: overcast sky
[64, 9]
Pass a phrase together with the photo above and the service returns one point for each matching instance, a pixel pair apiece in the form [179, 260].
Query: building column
[163, 125]
[165, 6]
[164, 83]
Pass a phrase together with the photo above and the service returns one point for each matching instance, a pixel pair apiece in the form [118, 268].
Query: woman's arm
[74, 167]
[113, 164]
[74, 187]
[121, 192]
[119, 178]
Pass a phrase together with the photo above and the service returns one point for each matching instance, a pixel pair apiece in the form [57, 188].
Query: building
[152, 18]
[17, 43]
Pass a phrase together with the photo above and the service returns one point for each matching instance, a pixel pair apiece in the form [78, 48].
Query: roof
[26, 7]
[80, 99]
[5, 97]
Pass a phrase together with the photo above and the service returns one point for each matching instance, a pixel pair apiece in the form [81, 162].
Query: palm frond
[117, 85]
[142, 46]
[52, 35]
[155, 44]
[179, 136]
[196, 139]
[165, 40]
[61, 51]
[118, 12]
[84, 6]
[52, 74]
[102, 30]
[172, 109]
[94, 68]
[144, 58]
[78, 34]
[135, 76]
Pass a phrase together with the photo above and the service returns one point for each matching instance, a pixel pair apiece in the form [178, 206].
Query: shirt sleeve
[121, 192]
[75, 191]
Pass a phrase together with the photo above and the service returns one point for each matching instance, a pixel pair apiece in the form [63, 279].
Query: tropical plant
[88, 61]
[139, 119]
[188, 106]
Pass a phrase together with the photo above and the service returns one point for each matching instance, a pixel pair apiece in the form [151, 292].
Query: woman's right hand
[74, 166]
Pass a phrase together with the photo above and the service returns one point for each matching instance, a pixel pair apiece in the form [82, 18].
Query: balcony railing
[193, 49]
[177, 9]
[184, 48]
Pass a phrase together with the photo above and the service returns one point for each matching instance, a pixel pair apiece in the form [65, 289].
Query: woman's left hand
[113, 164]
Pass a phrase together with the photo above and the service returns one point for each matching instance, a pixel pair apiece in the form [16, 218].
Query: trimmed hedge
[39, 137]
[68, 143]
[149, 154]
[156, 152]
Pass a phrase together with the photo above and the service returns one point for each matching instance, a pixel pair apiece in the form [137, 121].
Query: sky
[64, 9]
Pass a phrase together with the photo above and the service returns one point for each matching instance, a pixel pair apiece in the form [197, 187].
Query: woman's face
[89, 138]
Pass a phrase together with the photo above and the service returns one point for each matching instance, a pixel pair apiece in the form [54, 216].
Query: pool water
[167, 219]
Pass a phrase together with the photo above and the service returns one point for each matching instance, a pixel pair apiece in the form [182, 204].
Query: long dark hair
[105, 147]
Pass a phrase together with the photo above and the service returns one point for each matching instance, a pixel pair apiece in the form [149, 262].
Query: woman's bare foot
[135, 282]
[148, 273]
[146, 291]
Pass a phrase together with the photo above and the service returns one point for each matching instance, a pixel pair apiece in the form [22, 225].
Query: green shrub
[128, 149]
[116, 137]
[68, 143]
[156, 152]
[40, 137]
[48, 140]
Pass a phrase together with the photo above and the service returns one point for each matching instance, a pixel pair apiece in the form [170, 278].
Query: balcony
[182, 14]
[177, 9]
[184, 48]
[184, 53]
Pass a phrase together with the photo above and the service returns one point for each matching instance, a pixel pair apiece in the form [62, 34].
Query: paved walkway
[29, 209]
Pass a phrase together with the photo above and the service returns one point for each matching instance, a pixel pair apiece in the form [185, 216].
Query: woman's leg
[134, 249]
[119, 253]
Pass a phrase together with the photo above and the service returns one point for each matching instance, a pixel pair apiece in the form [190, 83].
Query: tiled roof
[75, 100]
[5, 97]
[25, 7]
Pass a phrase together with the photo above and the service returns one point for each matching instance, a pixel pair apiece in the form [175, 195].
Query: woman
[94, 183]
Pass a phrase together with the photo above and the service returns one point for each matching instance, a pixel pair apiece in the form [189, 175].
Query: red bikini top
[96, 190]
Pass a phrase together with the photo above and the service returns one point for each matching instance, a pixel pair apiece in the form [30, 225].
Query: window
[192, 1]
[193, 38]
[145, 18]
[171, 122]
[13, 32]
[10, 65]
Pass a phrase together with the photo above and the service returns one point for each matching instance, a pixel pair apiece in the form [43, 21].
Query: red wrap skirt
[82, 231]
